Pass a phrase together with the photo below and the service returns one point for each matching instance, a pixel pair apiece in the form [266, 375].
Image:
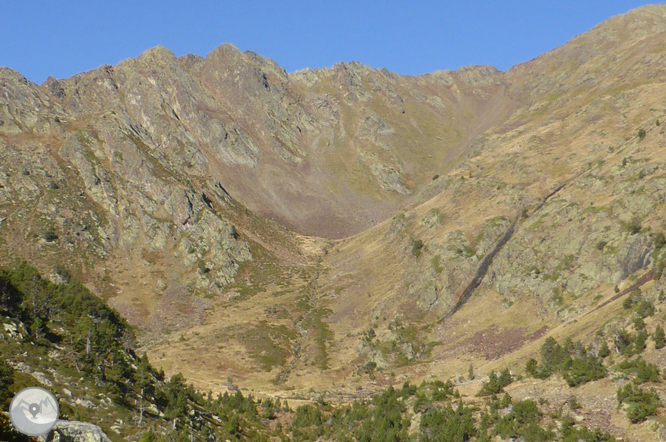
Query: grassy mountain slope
[593, 132]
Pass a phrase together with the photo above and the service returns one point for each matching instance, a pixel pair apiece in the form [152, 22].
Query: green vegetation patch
[638, 403]
[321, 333]
[573, 361]
[436, 264]
[496, 383]
[268, 344]
[644, 371]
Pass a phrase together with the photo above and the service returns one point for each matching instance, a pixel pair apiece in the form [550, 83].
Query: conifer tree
[659, 337]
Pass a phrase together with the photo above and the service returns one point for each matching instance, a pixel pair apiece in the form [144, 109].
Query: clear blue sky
[61, 38]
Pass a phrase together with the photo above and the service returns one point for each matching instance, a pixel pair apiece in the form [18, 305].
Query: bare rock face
[146, 170]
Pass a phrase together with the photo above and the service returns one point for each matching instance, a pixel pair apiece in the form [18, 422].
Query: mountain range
[331, 232]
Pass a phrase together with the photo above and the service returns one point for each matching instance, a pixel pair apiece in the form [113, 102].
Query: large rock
[72, 431]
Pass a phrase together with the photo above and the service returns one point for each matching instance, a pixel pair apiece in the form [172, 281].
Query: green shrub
[634, 226]
[634, 299]
[521, 421]
[50, 235]
[627, 303]
[6, 381]
[435, 176]
[370, 366]
[645, 371]
[61, 271]
[641, 133]
[577, 365]
[570, 433]
[149, 436]
[417, 247]
[201, 265]
[645, 308]
[601, 245]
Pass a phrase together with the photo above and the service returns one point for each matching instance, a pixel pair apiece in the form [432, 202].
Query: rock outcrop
[73, 431]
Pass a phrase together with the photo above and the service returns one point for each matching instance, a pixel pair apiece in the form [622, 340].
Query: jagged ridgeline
[63, 337]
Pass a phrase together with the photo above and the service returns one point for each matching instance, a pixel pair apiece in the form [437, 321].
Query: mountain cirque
[256, 224]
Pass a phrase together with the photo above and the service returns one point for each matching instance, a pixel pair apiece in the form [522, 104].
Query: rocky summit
[323, 235]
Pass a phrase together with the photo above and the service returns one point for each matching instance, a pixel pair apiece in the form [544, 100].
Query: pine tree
[640, 343]
[659, 337]
[470, 372]
[531, 367]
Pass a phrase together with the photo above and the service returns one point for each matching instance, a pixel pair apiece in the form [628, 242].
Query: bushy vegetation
[578, 371]
[628, 344]
[7, 431]
[496, 383]
[417, 247]
[645, 371]
[573, 361]
[97, 345]
[640, 404]
[9, 434]
[634, 226]
[448, 423]
[444, 417]
[380, 419]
